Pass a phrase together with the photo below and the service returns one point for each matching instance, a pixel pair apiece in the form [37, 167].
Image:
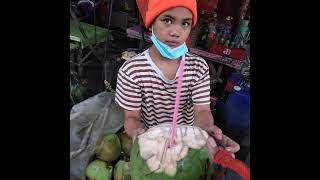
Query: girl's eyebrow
[170, 17]
[187, 19]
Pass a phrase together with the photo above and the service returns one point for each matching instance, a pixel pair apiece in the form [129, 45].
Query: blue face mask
[168, 52]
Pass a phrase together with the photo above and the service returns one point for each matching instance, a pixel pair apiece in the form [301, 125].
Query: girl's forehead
[178, 13]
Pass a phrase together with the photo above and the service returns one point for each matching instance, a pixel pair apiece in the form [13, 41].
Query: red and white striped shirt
[142, 86]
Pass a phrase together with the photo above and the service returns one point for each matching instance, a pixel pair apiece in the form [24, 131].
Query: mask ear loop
[152, 30]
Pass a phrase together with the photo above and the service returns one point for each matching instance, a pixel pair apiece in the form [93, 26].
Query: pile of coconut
[111, 159]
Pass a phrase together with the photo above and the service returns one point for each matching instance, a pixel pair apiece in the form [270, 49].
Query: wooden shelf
[233, 63]
[135, 32]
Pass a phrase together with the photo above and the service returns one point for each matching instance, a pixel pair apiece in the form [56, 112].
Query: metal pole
[106, 44]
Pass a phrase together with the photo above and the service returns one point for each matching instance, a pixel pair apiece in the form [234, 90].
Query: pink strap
[177, 103]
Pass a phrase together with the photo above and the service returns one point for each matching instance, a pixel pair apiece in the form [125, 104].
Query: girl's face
[173, 26]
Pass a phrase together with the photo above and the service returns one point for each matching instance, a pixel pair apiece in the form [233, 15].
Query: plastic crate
[237, 108]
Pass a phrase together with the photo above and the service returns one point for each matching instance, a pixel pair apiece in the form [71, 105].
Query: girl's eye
[168, 21]
[186, 24]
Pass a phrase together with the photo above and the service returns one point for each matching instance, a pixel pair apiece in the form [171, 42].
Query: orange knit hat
[150, 9]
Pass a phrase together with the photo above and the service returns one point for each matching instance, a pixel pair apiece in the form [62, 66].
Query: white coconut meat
[153, 163]
[154, 146]
[147, 149]
[176, 152]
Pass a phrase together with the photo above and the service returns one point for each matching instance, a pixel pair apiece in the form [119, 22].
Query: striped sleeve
[128, 93]
[201, 87]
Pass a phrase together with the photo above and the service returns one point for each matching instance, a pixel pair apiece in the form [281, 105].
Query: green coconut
[189, 159]
[108, 148]
[121, 171]
[126, 143]
[99, 170]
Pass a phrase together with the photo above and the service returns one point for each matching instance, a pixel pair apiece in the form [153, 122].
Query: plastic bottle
[194, 35]
[203, 33]
[227, 42]
[212, 31]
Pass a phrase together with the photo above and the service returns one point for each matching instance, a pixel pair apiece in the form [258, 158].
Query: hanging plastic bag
[89, 120]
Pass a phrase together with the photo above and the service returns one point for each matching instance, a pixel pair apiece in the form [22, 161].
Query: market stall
[109, 33]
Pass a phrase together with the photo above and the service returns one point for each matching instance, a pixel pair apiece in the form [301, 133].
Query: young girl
[147, 84]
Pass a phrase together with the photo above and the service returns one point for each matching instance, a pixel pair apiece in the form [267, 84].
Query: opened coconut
[98, 170]
[121, 171]
[152, 158]
[108, 148]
